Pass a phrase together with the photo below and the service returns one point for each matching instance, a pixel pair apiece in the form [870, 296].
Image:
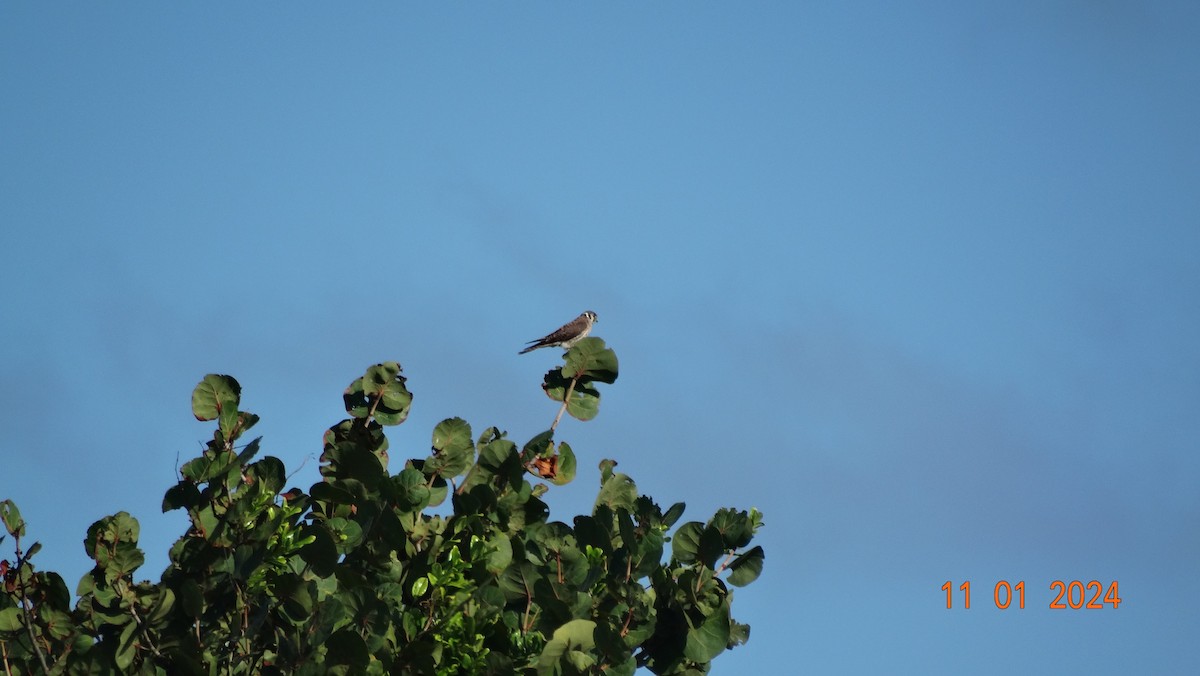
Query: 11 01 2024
[1073, 595]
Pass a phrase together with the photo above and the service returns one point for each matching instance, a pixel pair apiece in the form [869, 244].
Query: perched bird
[566, 335]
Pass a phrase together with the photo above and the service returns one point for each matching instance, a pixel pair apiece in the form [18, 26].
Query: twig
[625, 627]
[563, 408]
[718, 570]
[726, 562]
[145, 629]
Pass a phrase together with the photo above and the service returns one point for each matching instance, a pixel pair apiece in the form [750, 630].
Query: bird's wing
[571, 328]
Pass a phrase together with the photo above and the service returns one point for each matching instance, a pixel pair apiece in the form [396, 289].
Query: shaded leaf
[11, 619]
[346, 647]
[710, 638]
[381, 393]
[746, 568]
[453, 451]
[182, 495]
[712, 546]
[673, 514]
[736, 527]
[685, 544]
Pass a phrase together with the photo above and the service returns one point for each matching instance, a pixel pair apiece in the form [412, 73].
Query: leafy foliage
[361, 576]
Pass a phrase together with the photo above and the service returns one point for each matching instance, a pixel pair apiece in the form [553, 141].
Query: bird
[566, 335]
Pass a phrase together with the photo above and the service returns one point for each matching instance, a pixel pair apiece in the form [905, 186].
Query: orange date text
[1074, 595]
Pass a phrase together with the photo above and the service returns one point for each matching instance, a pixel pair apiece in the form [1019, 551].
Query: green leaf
[746, 568]
[736, 527]
[618, 491]
[452, 435]
[673, 514]
[322, 552]
[182, 495]
[380, 393]
[500, 554]
[585, 402]
[453, 450]
[251, 448]
[11, 516]
[685, 544]
[347, 534]
[105, 534]
[164, 602]
[269, 473]
[346, 647]
[710, 638]
[211, 466]
[494, 454]
[738, 633]
[590, 359]
[126, 647]
[541, 445]
[124, 560]
[711, 547]
[585, 399]
[55, 590]
[411, 492]
[191, 598]
[576, 636]
[214, 395]
[566, 465]
[11, 619]
[606, 469]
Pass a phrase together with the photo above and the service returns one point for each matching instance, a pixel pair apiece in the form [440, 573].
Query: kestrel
[566, 335]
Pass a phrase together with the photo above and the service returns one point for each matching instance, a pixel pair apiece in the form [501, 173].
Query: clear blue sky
[918, 280]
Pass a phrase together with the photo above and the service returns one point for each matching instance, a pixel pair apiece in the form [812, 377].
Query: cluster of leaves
[362, 575]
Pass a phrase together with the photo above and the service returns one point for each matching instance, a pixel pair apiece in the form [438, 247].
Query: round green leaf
[591, 360]
[685, 545]
[215, 395]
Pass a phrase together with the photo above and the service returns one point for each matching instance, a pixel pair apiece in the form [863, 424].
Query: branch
[26, 605]
[145, 629]
[563, 408]
[725, 564]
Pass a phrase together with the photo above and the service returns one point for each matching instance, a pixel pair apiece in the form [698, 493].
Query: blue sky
[917, 280]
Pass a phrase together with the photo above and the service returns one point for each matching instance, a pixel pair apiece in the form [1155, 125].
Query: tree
[362, 575]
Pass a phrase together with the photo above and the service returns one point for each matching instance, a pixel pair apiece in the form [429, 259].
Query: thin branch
[563, 408]
[145, 629]
[467, 478]
[625, 627]
[26, 605]
[725, 563]
[526, 623]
